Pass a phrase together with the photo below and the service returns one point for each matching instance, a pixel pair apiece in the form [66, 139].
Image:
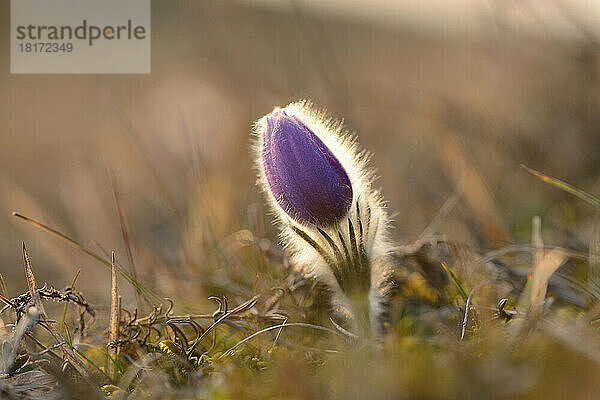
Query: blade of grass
[125, 233]
[474, 315]
[68, 336]
[456, 281]
[92, 254]
[563, 186]
[90, 362]
[64, 314]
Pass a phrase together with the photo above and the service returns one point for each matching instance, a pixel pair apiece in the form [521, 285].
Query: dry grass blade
[526, 248]
[135, 136]
[129, 278]
[280, 326]
[542, 272]
[594, 253]
[113, 332]
[446, 208]
[125, 231]
[462, 167]
[536, 240]
[465, 321]
[35, 297]
[544, 265]
[66, 307]
[240, 308]
[564, 186]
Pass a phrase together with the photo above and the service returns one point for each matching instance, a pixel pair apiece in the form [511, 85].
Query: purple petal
[308, 182]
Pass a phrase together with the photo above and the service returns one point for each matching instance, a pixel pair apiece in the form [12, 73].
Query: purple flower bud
[306, 179]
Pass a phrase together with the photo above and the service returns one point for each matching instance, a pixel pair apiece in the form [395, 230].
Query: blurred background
[442, 93]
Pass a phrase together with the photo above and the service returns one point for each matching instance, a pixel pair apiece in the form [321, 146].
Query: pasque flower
[306, 179]
[319, 186]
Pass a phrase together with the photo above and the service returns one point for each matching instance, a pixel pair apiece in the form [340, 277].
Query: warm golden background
[443, 93]
[427, 91]
[439, 94]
